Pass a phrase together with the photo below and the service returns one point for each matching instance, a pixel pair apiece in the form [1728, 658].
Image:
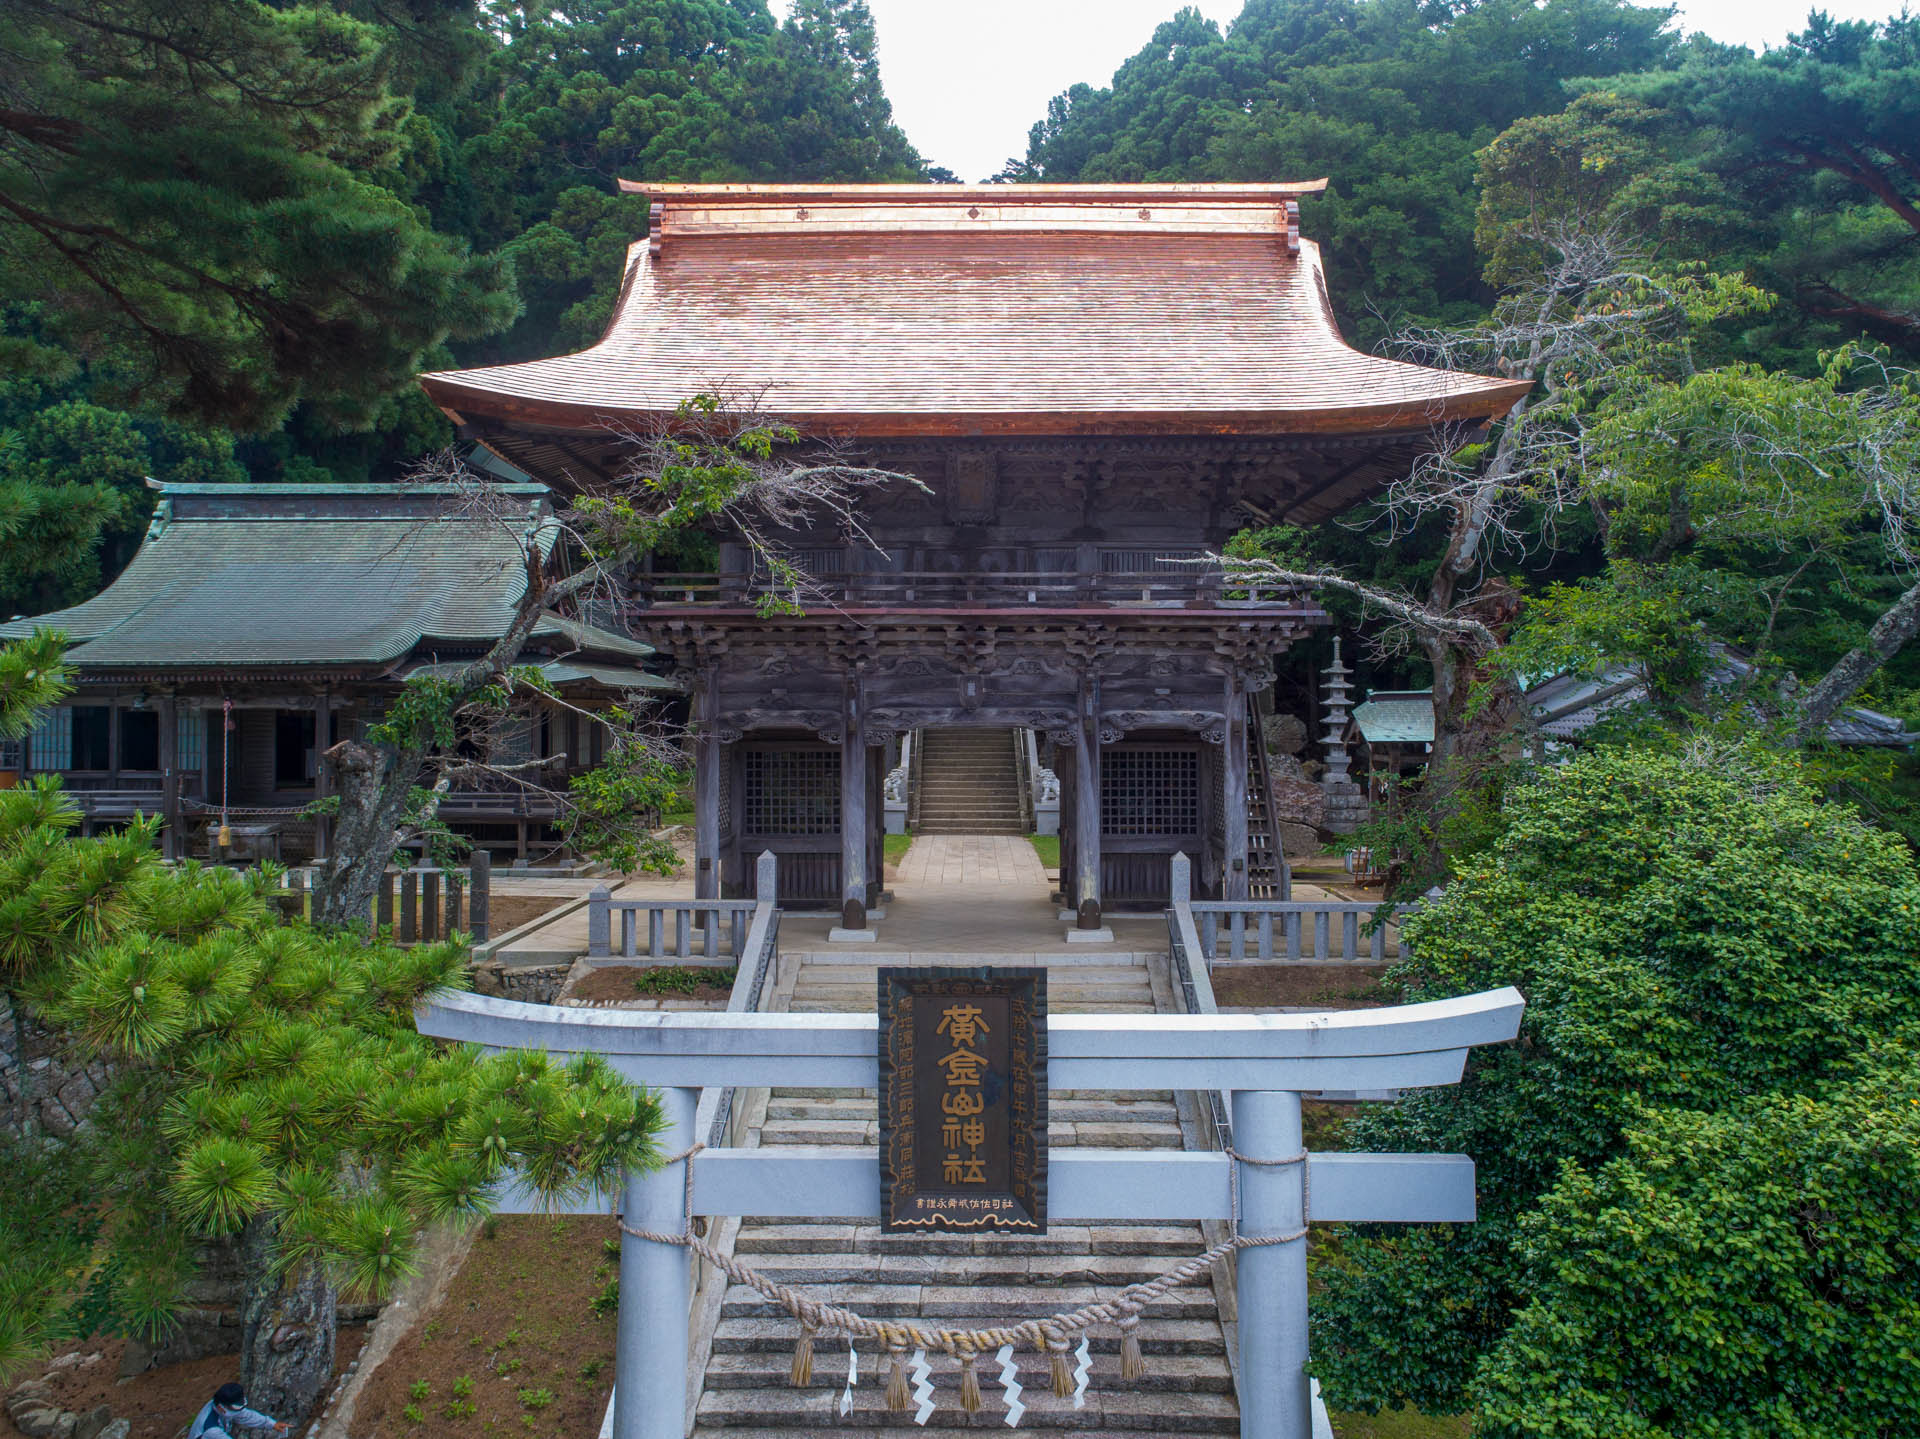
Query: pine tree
[268, 1085]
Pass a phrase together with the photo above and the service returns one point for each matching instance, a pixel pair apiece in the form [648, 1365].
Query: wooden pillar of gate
[1233, 759]
[170, 838]
[322, 781]
[707, 759]
[853, 809]
[1086, 806]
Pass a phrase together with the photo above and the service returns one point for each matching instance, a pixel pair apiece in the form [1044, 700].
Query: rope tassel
[899, 1399]
[802, 1374]
[1062, 1372]
[969, 1384]
[1133, 1364]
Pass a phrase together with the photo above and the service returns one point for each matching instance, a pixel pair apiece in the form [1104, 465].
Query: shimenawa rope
[1049, 1335]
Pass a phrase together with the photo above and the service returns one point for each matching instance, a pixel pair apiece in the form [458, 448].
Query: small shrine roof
[1396, 717]
[342, 576]
[936, 310]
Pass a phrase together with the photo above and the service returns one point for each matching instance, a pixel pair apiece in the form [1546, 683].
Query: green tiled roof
[1396, 717]
[566, 672]
[342, 575]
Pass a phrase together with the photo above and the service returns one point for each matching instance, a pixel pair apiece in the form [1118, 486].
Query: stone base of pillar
[837, 935]
[1103, 935]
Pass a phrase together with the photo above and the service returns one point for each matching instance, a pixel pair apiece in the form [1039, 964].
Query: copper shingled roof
[898, 310]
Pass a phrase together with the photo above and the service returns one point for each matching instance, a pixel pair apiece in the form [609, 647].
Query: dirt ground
[1322, 986]
[161, 1401]
[514, 1347]
[616, 982]
[507, 912]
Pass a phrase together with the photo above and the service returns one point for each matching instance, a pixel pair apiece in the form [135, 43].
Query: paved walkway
[962, 895]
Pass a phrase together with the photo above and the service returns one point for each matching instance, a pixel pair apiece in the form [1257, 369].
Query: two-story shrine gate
[1098, 384]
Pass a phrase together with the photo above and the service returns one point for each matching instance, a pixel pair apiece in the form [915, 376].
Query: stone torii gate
[1264, 1060]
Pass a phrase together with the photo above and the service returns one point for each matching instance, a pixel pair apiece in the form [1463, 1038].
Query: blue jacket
[207, 1421]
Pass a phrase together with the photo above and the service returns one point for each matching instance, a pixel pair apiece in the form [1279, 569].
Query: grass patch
[1047, 846]
[1399, 1424]
[897, 846]
[683, 979]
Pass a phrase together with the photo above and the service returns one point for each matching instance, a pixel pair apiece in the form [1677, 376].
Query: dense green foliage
[208, 199]
[1745, 1274]
[1803, 165]
[1390, 99]
[232, 233]
[1696, 936]
[263, 1074]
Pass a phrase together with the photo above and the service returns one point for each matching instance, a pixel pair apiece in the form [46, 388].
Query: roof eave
[461, 403]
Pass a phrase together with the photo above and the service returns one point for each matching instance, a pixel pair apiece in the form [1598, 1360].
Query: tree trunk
[374, 784]
[1841, 683]
[287, 1325]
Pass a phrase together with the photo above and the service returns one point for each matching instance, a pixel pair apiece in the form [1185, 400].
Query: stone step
[773, 1370]
[1045, 1274]
[1117, 1411]
[1165, 1336]
[970, 1303]
[800, 1237]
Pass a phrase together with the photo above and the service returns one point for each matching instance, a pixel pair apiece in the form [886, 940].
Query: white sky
[967, 80]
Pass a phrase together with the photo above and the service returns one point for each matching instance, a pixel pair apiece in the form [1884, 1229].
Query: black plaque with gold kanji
[963, 1101]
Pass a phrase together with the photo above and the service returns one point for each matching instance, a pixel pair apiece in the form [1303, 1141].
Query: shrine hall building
[1096, 385]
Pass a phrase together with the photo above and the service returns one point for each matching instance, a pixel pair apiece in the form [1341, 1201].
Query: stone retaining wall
[63, 1091]
[532, 984]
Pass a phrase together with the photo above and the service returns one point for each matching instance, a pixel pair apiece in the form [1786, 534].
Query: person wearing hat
[226, 1416]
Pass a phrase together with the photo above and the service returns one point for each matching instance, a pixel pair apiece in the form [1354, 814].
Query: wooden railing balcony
[1174, 588]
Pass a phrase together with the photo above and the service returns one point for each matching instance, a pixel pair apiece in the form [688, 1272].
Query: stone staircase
[962, 1280]
[968, 783]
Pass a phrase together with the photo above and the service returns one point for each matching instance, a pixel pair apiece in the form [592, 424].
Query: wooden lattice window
[1148, 792]
[791, 791]
[1164, 560]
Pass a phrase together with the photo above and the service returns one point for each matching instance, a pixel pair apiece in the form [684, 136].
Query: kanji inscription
[963, 1100]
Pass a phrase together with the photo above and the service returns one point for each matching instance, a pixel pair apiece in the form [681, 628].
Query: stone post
[480, 892]
[599, 921]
